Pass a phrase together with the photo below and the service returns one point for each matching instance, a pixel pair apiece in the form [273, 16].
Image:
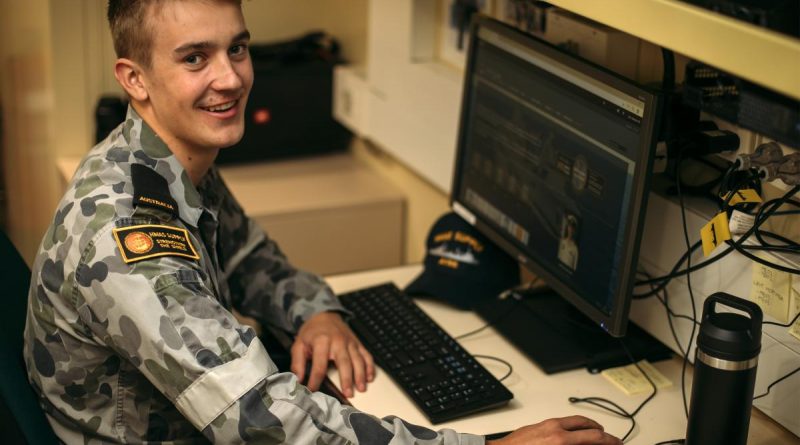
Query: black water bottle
[724, 372]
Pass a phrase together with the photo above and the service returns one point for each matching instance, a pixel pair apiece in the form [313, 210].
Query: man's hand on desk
[326, 337]
[573, 430]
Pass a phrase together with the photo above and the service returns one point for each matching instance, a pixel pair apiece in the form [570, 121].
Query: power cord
[745, 171]
[777, 381]
[490, 357]
[493, 321]
[684, 351]
[770, 208]
[614, 408]
[665, 302]
[787, 246]
[783, 325]
[510, 293]
[691, 295]
[762, 216]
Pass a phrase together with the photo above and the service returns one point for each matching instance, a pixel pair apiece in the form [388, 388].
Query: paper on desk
[631, 381]
[771, 289]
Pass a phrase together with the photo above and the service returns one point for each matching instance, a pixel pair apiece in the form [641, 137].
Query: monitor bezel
[615, 323]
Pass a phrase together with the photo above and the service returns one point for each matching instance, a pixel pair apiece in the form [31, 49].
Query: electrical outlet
[350, 98]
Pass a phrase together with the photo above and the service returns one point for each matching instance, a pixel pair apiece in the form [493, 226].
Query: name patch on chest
[145, 241]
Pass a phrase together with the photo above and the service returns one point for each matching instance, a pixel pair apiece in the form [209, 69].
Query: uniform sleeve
[161, 316]
[263, 284]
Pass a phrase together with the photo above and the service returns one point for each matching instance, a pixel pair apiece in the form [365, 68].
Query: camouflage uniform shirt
[130, 336]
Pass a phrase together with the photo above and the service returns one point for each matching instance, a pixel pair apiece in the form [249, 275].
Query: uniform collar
[150, 150]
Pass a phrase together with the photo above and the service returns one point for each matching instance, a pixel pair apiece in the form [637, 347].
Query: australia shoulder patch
[145, 241]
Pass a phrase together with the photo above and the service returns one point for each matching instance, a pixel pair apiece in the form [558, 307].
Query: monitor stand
[558, 337]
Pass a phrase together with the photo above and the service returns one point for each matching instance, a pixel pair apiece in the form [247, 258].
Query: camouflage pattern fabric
[147, 350]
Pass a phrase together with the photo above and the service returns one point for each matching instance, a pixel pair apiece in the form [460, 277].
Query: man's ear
[129, 76]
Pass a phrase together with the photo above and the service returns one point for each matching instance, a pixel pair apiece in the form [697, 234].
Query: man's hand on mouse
[573, 430]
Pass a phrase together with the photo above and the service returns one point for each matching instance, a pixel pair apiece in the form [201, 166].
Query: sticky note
[795, 328]
[631, 381]
[796, 284]
[740, 196]
[771, 289]
[715, 233]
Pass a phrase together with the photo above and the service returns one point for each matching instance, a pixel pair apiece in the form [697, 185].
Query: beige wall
[27, 98]
[273, 20]
[424, 201]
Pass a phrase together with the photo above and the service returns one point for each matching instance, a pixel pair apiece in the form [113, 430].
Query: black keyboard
[442, 379]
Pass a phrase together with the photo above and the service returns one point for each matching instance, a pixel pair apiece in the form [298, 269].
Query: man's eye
[194, 59]
[238, 50]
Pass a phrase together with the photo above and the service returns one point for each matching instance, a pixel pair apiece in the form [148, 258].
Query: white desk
[537, 396]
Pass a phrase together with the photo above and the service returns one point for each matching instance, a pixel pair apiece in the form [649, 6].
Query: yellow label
[772, 290]
[740, 196]
[631, 381]
[715, 233]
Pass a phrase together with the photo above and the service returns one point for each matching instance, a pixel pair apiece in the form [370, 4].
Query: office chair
[21, 418]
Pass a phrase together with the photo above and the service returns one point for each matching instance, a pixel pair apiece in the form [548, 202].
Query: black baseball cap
[462, 267]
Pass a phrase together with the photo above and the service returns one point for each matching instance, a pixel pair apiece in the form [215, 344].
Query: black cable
[776, 382]
[493, 321]
[670, 315]
[787, 243]
[769, 208]
[497, 359]
[691, 295]
[668, 74]
[512, 293]
[672, 442]
[774, 249]
[601, 402]
[775, 323]
[761, 261]
[675, 272]
[663, 281]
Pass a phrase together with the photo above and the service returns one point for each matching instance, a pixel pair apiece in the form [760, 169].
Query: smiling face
[195, 89]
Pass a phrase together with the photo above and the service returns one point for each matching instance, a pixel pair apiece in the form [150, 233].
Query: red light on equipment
[261, 116]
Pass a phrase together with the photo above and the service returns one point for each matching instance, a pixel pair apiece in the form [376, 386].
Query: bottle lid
[730, 335]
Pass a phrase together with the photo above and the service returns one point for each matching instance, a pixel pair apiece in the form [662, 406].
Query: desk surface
[537, 396]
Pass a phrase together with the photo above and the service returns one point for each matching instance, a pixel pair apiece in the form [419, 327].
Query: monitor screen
[552, 164]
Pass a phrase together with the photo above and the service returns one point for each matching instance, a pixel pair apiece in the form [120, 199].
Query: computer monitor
[553, 162]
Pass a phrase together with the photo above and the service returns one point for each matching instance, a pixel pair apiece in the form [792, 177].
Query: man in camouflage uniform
[130, 336]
